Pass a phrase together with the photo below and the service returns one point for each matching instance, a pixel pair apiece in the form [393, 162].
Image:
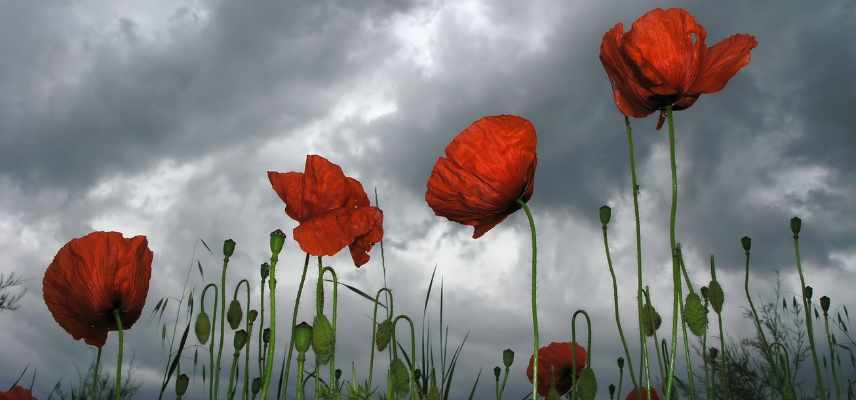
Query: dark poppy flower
[333, 210]
[663, 60]
[487, 167]
[94, 275]
[17, 393]
[642, 394]
[555, 364]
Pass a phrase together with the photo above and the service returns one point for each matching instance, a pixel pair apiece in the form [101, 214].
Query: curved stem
[808, 322]
[535, 341]
[687, 356]
[211, 344]
[412, 346]
[274, 258]
[374, 329]
[118, 318]
[723, 382]
[615, 302]
[287, 360]
[676, 280]
[335, 307]
[574, 349]
[247, 326]
[216, 372]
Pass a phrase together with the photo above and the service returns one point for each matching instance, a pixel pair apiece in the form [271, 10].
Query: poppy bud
[611, 390]
[265, 270]
[714, 352]
[816, 315]
[704, 293]
[507, 357]
[807, 292]
[302, 337]
[384, 334]
[824, 304]
[796, 225]
[716, 296]
[239, 340]
[620, 362]
[338, 374]
[202, 327]
[695, 315]
[181, 384]
[496, 372]
[650, 320]
[400, 377]
[277, 240]
[253, 314]
[322, 339]
[746, 241]
[228, 248]
[257, 386]
[587, 384]
[605, 214]
[235, 314]
[266, 335]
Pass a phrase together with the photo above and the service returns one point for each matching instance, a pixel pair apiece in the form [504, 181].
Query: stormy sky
[160, 118]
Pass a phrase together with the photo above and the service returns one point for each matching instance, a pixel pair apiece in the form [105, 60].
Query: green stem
[687, 356]
[301, 360]
[216, 372]
[118, 389]
[335, 307]
[211, 344]
[676, 280]
[262, 327]
[504, 381]
[615, 302]
[232, 375]
[832, 357]
[704, 354]
[620, 383]
[574, 350]
[274, 258]
[723, 383]
[374, 329]
[535, 341]
[412, 347]
[287, 361]
[643, 344]
[246, 284]
[808, 322]
[94, 386]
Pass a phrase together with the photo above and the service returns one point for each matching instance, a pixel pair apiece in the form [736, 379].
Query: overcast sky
[160, 118]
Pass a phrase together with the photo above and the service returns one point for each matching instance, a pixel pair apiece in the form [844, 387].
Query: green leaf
[695, 314]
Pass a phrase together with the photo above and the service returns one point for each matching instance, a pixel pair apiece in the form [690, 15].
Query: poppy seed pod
[746, 241]
[337, 374]
[796, 226]
[228, 248]
[611, 390]
[252, 315]
[266, 335]
[808, 292]
[824, 304]
[202, 327]
[277, 240]
[496, 372]
[257, 386]
[265, 271]
[181, 384]
[302, 337]
[507, 357]
[239, 340]
[235, 314]
[605, 214]
[620, 362]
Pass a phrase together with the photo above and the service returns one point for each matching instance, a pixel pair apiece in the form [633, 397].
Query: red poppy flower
[333, 210]
[642, 394]
[487, 167]
[94, 275]
[555, 365]
[17, 393]
[663, 60]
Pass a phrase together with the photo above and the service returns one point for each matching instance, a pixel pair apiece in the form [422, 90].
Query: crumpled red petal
[321, 188]
[642, 394]
[630, 96]
[331, 232]
[555, 360]
[722, 61]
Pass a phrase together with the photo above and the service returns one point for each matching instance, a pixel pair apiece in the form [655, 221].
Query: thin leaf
[206, 246]
[177, 357]
[359, 292]
[20, 377]
[199, 266]
[473, 391]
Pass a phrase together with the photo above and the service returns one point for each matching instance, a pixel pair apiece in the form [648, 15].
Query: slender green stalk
[319, 311]
[704, 356]
[261, 327]
[274, 258]
[643, 343]
[412, 346]
[247, 326]
[211, 338]
[287, 361]
[789, 384]
[216, 371]
[504, 381]
[94, 386]
[620, 383]
[723, 383]
[374, 329]
[535, 341]
[234, 365]
[335, 311]
[118, 390]
[832, 356]
[687, 356]
[808, 321]
[574, 350]
[676, 280]
[301, 360]
[764, 344]
[615, 302]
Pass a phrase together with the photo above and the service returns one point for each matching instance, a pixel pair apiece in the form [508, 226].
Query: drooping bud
[650, 320]
[716, 296]
[796, 226]
[239, 340]
[808, 292]
[181, 384]
[257, 386]
[266, 335]
[507, 357]
[746, 241]
[202, 327]
[252, 316]
[302, 337]
[496, 373]
[824, 304]
[322, 339]
[605, 215]
[265, 271]
[620, 362]
[235, 314]
[228, 248]
[695, 315]
[277, 240]
[587, 384]
[383, 335]
[400, 377]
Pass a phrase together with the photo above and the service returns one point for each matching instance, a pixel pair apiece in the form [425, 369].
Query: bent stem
[574, 349]
[211, 345]
[412, 347]
[535, 341]
[808, 321]
[615, 300]
[249, 329]
[287, 361]
[374, 329]
[118, 319]
[216, 372]
[335, 306]
[676, 279]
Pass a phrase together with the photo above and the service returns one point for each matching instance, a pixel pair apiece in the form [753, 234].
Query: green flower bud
[650, 319]
[253, 314]
[716, 296]
[337, 373]
[695, 314]
[746, 241]
[620, 362]
[383, 335]
[507, 357]
[808, 291]
[824, 304]
[496, 372]
[605, 214]
[181, 384]
[587, 385]
[322, 339]
[611, 390]
[796, 225]
[235, 314]
[704, 293]
[228, 248]
[203, 327]
[257, 386]
[277, 240]
[239, 340]
[265, 270]
[266, 335]
[400, 377]
[302, 337]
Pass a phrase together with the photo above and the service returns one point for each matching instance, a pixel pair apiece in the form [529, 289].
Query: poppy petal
[370, 220]
[331, 232]
[289, 187]
[630, 97]
[722, 61]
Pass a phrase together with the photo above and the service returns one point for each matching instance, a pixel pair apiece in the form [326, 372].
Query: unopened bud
[228, 248]
[605, 214]
[507, 357]
[746, 242]
[234, 314]
[181, 384]
[277, 240]
[239, 340]
[824, 304]
[252, 315]
[796, 225]
[302, 337]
